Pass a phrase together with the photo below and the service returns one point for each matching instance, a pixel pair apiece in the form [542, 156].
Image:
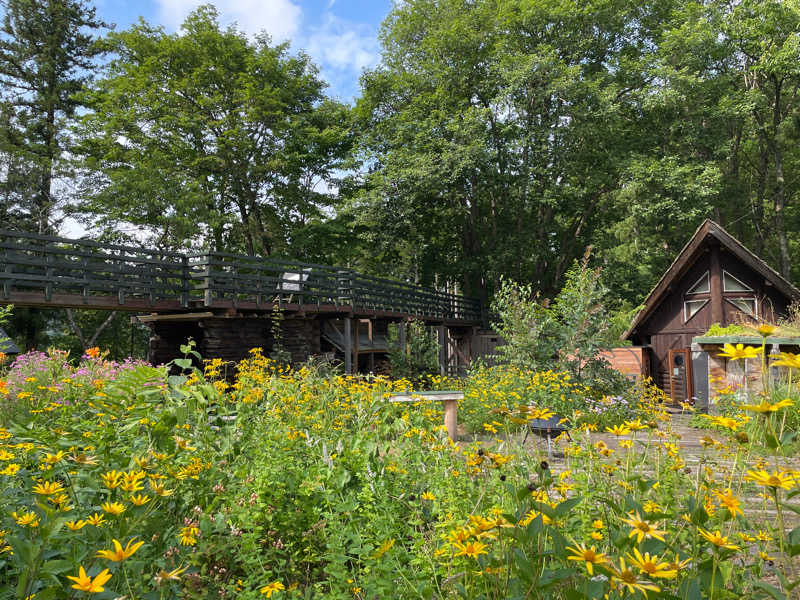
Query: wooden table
[449, 398]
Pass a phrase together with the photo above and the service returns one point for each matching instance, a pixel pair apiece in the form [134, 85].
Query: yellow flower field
[285, 483]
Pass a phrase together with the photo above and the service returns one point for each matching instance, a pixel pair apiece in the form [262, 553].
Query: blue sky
[339, 35]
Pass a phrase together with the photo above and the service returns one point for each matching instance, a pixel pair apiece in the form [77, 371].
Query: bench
[448, 398]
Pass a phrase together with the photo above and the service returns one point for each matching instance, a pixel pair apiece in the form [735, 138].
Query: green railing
[56, 267]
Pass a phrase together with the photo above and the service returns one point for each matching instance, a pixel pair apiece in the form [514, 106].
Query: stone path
[695, 456]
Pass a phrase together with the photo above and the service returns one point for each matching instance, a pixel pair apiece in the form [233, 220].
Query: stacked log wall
[231, 339]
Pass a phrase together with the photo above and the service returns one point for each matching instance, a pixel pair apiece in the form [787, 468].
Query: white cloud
[281, 19]
[342, 50]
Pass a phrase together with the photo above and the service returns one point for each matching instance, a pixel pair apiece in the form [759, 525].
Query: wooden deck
[50, 272]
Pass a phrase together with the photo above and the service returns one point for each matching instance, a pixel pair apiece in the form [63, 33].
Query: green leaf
[770, 589]
[567, 505]
[183, 363]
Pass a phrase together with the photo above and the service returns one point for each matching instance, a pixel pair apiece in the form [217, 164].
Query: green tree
[564, 334]
[207, 138]
[47, 55]
[414, 353]
[495, 134]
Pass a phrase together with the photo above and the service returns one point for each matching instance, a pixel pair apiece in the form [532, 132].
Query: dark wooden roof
[686, 258]
[7, 345]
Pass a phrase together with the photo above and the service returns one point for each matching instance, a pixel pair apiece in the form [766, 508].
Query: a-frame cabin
[714, 279]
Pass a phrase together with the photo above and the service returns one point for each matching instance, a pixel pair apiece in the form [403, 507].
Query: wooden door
[680, 375]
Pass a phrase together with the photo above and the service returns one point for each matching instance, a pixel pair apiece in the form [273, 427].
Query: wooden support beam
[355, 345]
[371, 336]
[716, 287]
[348, 347]
[442, 330]
[402, 336]
[173, 317]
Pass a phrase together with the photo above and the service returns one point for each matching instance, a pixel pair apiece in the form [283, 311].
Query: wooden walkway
[43, 271]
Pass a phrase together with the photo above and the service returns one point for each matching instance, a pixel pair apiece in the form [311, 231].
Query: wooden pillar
[402, 336]
[356, 323]
[371, 336]
[442, 350]
[348, 347]
[451, 418]
[716, 287]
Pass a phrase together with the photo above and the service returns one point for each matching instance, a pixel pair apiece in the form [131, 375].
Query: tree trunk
[780, 186]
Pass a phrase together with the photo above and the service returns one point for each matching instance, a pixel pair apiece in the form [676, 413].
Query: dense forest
[496, 138]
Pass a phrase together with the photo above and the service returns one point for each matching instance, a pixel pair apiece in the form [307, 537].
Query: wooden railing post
[208, 293]
[184, 281]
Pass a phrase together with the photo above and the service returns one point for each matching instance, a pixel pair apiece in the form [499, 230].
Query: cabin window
[748, 306]
[731, 284]
[702, 286]
[691, 308]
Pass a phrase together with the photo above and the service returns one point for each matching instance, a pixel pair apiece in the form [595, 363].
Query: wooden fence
[55, 271]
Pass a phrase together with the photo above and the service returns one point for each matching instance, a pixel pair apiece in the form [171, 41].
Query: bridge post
[442, 349]
[348, 347]
[356, 323]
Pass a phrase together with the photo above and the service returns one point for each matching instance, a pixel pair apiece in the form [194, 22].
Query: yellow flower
[271, 588]
[76, 525]
[739, 351]
[767, 407]
[188, 535]
[118, 554]
[627, 578]
[598, 524]
[776, 480]
[384, 548]
[717, 539]
[642, 529]
[11, 469]
[588, 555]
[763, 536]
[96, 519]
[427, 496]
[159, 489]
[85, 583]
[619, 430]
[650, 565]
[166, 576]
[139, 499]
[471, 549]
[47, 488]
[83, 459]
[766, 330]
[111, 479]
[132, 482]
[729, 501]
[113, 508]
[52, 459]
[26, 519]
[787, 359]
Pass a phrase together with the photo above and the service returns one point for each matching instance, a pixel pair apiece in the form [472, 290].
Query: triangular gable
[685, 260]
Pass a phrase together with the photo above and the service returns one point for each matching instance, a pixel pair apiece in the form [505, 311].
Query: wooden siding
[666, 329]
[632, 361]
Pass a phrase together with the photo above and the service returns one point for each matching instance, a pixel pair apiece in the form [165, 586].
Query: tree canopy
[495, 139]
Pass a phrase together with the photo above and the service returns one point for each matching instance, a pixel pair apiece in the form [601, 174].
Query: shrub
[418, 356]
[564, 335]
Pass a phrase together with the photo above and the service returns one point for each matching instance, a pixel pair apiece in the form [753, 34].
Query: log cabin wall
[231, 339]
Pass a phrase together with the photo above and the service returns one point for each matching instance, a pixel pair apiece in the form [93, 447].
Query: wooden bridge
[218, 298]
